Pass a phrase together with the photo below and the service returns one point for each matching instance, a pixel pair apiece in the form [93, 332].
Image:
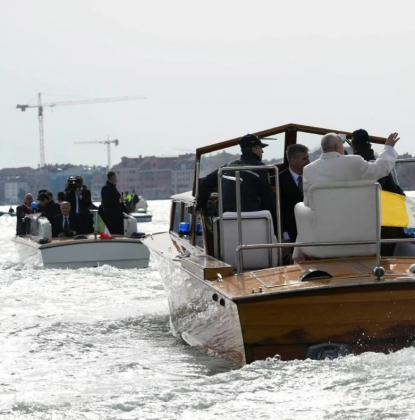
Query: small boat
[142, 217]
[6, 213]
[230, 295]
[141, 213]
[126, 251]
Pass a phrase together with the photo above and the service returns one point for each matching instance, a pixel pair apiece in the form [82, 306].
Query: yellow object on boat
[397, 210]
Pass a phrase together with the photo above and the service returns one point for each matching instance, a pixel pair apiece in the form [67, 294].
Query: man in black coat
[21, 212]
[112, 206]
[49, 208]
[362, 147]
[291, 188]
[80, 199]
[65, 224]
[256, 192]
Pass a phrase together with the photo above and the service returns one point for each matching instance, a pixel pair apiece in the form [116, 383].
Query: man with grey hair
[21, 213]
[334, 166]
[65, 224]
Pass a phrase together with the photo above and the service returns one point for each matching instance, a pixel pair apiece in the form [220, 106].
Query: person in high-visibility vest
[128, 202]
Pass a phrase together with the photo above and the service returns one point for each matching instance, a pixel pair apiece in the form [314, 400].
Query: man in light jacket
[334, 166]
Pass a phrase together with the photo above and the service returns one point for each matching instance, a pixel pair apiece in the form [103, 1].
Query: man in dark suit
[80, 199]
[49, 207]
[65, 224]
[112, 205]
[291, 188]
[21, 212]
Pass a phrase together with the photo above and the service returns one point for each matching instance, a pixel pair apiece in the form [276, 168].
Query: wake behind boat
[230, 294]
[121, 251]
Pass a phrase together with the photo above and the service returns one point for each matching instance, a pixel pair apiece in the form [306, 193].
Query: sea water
[95, 343]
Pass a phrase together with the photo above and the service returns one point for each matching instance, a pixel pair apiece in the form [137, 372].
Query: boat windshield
[273, 154]
[404, 175]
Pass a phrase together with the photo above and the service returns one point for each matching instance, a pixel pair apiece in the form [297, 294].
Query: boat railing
[237, 179]
[378, 270]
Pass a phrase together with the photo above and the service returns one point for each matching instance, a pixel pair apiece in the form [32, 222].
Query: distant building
[14, 184]
[156, 177]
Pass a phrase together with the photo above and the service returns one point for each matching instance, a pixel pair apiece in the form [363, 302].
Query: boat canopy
[214, 156]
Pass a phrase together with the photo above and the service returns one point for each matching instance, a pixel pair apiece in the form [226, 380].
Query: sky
[210, 71]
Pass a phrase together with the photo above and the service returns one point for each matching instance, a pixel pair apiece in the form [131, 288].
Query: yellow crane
[107, 142]
[41, 105]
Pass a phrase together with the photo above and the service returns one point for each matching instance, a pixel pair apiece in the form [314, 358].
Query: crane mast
[41, 135]
[40, 106]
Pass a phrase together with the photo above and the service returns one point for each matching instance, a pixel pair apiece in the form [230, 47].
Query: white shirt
[77, 204]
[332, 166]
[294, 175]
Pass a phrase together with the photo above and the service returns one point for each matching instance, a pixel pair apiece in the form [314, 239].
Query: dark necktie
[300, 184]
[65, 225]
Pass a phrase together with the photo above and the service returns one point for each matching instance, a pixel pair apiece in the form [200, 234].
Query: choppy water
[95, 344]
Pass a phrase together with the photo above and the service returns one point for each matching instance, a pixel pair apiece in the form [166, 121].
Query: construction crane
[41, 105]
[107, 142]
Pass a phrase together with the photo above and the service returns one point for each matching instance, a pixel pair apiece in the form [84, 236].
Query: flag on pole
[102, 229]
[397, 210]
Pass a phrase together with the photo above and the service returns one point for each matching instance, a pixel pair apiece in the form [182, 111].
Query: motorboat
[142, 217]
[229, 293]
[141, 212]
[121, 251]
[8, 213]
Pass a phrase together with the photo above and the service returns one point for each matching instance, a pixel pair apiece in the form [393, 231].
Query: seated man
[256, 193]
[334, 166]
[65, 224]
[21, 212]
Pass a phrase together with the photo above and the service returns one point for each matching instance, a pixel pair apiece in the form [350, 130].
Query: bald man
[21, 212]
[334, 166]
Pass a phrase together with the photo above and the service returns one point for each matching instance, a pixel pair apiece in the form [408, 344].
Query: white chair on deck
[338, 212]
[257, 228]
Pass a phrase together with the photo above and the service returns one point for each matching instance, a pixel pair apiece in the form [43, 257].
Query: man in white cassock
[334, 166]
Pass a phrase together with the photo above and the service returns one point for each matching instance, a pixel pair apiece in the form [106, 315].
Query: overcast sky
[211, 70]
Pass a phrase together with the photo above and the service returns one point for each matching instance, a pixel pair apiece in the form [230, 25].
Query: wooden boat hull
[288, 316]
[375, 317]
[122, 253]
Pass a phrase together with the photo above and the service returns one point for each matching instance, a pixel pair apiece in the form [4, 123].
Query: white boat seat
[337, 212]
[130, 225]
[257, 228]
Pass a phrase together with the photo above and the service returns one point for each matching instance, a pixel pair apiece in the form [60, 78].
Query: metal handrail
[237, 169]
[309, 244]
[378, 270]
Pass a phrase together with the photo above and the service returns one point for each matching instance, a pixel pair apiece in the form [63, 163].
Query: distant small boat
[141, 213]
[3, 213]
[142, 217]
[121, 251]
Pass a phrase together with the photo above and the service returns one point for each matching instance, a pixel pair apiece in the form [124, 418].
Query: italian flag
[102, 229]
